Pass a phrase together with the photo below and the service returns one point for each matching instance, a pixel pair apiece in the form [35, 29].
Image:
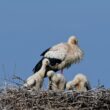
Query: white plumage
[80, 83]
[62, 55]
[69, 85]
[58, 52]
[56, 81]
[68, 53]
[36, 80]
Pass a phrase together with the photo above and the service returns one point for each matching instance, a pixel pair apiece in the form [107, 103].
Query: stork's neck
[42, 70]
[43, 67]
[52, 75]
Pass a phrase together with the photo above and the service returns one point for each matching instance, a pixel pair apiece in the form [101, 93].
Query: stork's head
[73, 40]
[46, 62]
[69, 85]
[50, 73]
[80, 82]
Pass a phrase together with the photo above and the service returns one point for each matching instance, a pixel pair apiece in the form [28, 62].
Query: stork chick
[80, 83]
[56, 81]
[36, 80]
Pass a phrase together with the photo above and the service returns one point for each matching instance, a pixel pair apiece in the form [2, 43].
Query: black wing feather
[87, 85]
[43, 53]
[53, 62]
[38, 66]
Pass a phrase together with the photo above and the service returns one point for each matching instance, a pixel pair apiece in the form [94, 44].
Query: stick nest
[23, 99]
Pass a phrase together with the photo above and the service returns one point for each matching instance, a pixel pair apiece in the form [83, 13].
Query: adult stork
[61, 55]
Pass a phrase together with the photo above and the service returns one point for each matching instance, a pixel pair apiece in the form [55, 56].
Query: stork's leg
[61, 71]
[50, 84]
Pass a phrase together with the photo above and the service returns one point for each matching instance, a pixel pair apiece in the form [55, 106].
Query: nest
[23, 99]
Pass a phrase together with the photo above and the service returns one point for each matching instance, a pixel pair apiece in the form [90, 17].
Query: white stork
[80, 83]
[35, 81]
[61, 55]
[56, 81]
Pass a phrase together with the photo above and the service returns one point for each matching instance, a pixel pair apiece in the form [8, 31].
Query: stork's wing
[57, 52]
[38, 66]
[87, 85]
[43, 53]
